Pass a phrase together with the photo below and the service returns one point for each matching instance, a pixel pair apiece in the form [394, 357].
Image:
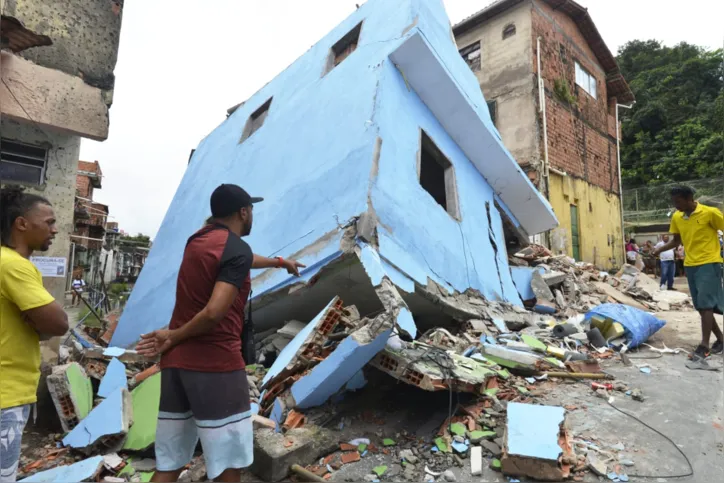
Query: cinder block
[476, 461]
[272, 457]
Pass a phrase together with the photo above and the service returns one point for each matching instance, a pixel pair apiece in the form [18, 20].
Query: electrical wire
[691, 468]
[446, 366]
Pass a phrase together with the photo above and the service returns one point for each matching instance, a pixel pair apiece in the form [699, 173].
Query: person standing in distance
[668, 265]
[204, 391]
[696, 226]
[27, 313]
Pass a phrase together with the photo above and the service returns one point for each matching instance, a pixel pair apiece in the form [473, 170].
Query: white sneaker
[663, 287]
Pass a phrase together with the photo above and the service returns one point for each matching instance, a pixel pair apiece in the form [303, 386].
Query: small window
[493, 110]
[508, 30]
[437, 176]
[22, 163]
[343, 48]
[255, 121]
[471, 56]
[585, 80]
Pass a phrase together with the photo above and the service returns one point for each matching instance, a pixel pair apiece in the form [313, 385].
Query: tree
[675, 132]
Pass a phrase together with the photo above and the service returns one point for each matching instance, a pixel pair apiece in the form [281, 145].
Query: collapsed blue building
[381, 171]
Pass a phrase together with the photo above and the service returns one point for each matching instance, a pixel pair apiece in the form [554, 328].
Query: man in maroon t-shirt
[204, 392]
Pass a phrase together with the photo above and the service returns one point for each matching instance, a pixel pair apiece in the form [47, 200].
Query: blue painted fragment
[330, 375]
[114, 378]
[114, 352]
[522, 277]
[277, 415]
[533, 430]
[106, 419]
[357, 382]
[84, 470]
[373, 265]
[405, 322]
[459, 447]
[500, 324]
[290, 351]
[402, 281]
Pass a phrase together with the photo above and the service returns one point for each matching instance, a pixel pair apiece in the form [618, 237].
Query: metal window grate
[471, 55]
[22, 162]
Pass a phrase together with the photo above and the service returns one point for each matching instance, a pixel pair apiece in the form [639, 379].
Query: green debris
[522, 390]
[489, 434]
[388, 442]
[553, 361]
[251, 369]
[81, 390]
[379, 470]
[127, 470]
[495, 464]
[442, 445]
[457, 429]
[145, 414]
[362, 447]
[503, 373]
[492, 391]
[146, 476]
[533, 343]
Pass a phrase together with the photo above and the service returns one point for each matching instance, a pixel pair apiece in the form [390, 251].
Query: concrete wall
[53, 99]
[599, 214]
[59, 187]
[317, 161]
[506, 76]
[85, 36]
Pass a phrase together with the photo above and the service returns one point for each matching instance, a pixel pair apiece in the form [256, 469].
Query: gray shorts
[12, 424]
[212, 407]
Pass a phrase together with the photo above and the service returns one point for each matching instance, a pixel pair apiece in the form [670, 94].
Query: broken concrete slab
[85, 470]
[72, 393]
[107, 424]
[275, 453]
[331, 375]
[540, 288]
[418, 364]
[324, 322]
[114, 378]
[145, 399]
[533, 446]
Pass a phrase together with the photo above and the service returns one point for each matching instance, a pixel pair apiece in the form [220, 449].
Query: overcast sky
[181, 64]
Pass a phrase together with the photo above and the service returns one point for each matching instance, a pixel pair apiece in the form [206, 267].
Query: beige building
[56, 72]
[552, 88]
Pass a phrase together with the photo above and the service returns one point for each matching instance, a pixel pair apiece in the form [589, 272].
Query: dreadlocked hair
[14, 202]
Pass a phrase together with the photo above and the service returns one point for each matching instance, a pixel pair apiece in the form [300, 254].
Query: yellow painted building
[590, 222]
[552, 87]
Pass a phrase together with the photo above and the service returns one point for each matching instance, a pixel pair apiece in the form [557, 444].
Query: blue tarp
[638, 325]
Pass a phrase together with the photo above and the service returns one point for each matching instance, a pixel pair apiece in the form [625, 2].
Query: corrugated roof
[615, 82]
[14, 36]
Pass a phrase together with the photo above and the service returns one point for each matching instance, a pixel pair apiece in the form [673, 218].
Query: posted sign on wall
[50, 266]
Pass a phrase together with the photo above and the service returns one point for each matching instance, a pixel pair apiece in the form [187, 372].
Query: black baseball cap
[230, 198]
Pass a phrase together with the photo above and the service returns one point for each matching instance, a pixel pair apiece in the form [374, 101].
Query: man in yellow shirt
[697, 226]
[27, 311]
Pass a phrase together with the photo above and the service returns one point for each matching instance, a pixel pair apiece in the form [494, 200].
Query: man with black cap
[204, 391]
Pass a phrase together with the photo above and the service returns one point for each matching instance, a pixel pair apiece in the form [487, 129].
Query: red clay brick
[350, 457]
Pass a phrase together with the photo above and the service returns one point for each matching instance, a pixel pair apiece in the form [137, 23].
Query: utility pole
[620, 185]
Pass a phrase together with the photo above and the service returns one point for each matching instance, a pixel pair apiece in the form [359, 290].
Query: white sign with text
[50, 266]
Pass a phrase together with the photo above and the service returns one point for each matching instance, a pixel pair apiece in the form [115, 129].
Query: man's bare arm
[204, 321]
[292, 266]
[49, 319]
[671, 244]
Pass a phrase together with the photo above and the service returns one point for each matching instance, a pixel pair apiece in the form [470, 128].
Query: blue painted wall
[312, 162]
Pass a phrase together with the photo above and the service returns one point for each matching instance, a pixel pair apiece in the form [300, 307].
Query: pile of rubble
[498, 354]
[559, 284]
